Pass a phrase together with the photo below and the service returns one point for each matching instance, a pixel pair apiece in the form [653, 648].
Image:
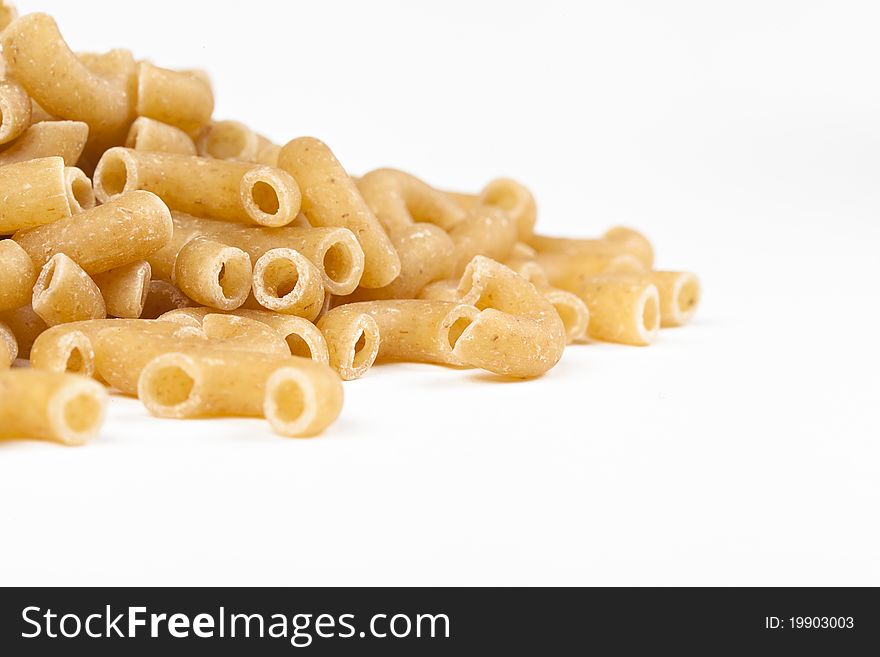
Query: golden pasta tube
[331, 199]
[289, 283]
[623, 309]
[352, 339]
[15, 110]
[486, 231]
[62, 408]
[529, 269]
[64, 139]
[616, 241]
[8, 347]
[32, 194]
[40, 60]
[335, 251]
[215, 189]
[126, 230]
[154, 136]
[64, 293]
[8, 13]
[244, 334]
[572, 271]
[399, 200]
[518, 333]
[446, 290]
[125, 289]
[181, 99]
[679, 296]
[163, 297]
[303, 338]
[514, 199]
[268, 153]
[229, 140]
[17, 276]
[213, 274]
[26, 326]
[299, 397]
[80, 195]
[572, 310]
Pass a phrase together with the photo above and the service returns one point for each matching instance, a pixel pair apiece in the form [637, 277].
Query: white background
[743, 138]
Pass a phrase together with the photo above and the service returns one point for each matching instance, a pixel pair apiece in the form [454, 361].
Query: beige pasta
[352, 340]
[125, 289]
[163, 297]
[26, 326]
[287, 282]
[69, 347]
[572, 271]
[441, 291]
[229, 140]
[62, 408]
[334, 251]
[624, 309]
[154, 136]
[64, 293]
[244, 334]
[8, 347]
[572, 310]
[64, 139]
[616, 241]
[8, 13]
[514, 199]
[181, 99]
[679, 296]
[126, 230]
[486, 231]
[268, 152]
[80, 195]
[331, 199]
[213, 274]
[32, 194]
[40, 60]
[15, 110]
[216, 189]
[17, 276]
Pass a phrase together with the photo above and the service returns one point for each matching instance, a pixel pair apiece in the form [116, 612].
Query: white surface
[743, 138]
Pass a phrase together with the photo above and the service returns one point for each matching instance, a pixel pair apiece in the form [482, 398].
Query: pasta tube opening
[213, 274]
[64, 293]
[301, 404]
[287, 282]
[80, 194]
[353, 340]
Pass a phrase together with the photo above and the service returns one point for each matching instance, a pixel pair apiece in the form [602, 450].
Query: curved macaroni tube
[15, 110]
[514, 199]
[616, 241]
[181, 99]
[229, 140]
[64, 139]
[40, 60]
[518, 333]
[570, 272]
[303, 338]
[215, 189]
[62, 408]
[244, 334]
[64, 293]
[399, 200]
[32, 194]
[163, 297]
[441, 291]
[426, 255]
[268, 153]
[299, 397]
[623, 309]
[17, 276]
[352, 340]
[335, 251]
[125, 289]
[331, 199]
[8, 347]
[213, 274]
[26, 326]
[156, 137]
[126, 230]
[287, 282]
[486, 232]
[679, 296]
[529, 269]
[572, 310]
[80, 195]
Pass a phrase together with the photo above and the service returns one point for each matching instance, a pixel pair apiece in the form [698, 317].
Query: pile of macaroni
[194, 263]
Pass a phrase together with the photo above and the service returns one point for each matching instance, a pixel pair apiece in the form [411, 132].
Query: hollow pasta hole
[337, 263]
[290, 401]
[82, 412]
[457, 330]
[226, 144]
[501, 196]
[82, 192]
[75, 362]
[568, 315]
[360, 351]
[298, 346]
[114, 176]
[266, 197]
[280, 278]
[170, 386]
[229, 287]
[651, 314]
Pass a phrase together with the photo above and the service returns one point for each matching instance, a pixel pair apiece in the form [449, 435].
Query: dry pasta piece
[32, 194]
[26, 326]
[15, 110]
[216, 189]
[441, 291]
[125, 289]
[572, 310]
[17, 275]
[213, 274]
[8, 347]
[518, 333]
[523, 251]
[40, 60]
[571, 271]
[8, 13]
[268, 153]
[80, 195]
[352, 339]
[529, 269]
[163, 297]
[154, 136]
[331, 199]
[334, 251]
[679, 296]
[126, 230]
[62, 408]
[64, 293]
[244, 334]
[38, 114]
[514, 199]
[624, 309]
[616, 241]
[488, 232]
[399, 200]
[303, 338]
[229, 140]
[181, 99]
[64, 139]
[287, 282]
[299, 397]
